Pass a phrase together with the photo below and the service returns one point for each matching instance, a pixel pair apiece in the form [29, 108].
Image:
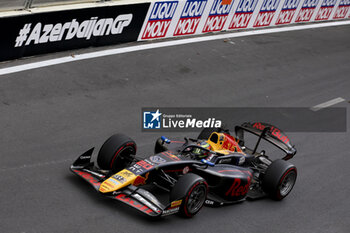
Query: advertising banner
[40, 33]
[194, 17]
[63, 30]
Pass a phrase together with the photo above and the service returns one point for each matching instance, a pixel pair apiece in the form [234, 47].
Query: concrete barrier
[191, 17]
[53, 29]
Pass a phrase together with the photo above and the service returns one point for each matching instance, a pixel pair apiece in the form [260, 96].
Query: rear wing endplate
[268, 132]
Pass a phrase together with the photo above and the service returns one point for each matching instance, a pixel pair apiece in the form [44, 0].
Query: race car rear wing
[268, 132]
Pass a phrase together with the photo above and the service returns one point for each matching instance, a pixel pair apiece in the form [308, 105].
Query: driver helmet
[202, 153]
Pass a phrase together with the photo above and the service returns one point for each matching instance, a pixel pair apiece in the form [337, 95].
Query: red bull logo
[140, 180]
[231, 144]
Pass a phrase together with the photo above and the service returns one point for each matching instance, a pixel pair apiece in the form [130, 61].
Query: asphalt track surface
[51, 115]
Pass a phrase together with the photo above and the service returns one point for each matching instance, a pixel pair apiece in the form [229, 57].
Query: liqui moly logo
[243, 14]
[266, 13]
[306, 11]
[159, 19]
[326, 9]
[342, 10]
[287, 12]
[190, 17]
[217, 16]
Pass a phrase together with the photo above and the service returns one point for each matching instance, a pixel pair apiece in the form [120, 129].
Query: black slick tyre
[116, 153]
[279, 179]
[193, 190]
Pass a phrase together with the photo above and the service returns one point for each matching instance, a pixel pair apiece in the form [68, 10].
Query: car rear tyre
[279, 179]
[116, 153]
[192, 190]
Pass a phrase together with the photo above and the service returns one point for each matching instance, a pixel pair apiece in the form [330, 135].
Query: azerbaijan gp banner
[48, 32]
[39, 33]
[172, 18]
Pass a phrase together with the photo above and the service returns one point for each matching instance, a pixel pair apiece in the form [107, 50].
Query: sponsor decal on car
[209, 202]
[126, 174]
[266, 13]
[287, 12]
[170, 211]
[175, 203]
[157, 159]
[236, 189]
[190, 17]
[145, 164]
[140, 180]
[274, 131]
[111, 184]
[342, 9]
[241, 160]
[85, 157]
[170, 155]
[306, 11]
[243, 14]
[140, 167]
[159, 19]
[136, 169]
[217, 16]
[119, 178]
[229, 160]
[185, 170]
[325, 10]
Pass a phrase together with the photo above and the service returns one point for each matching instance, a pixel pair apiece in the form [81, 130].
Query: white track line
[327, 104]
[108, 52]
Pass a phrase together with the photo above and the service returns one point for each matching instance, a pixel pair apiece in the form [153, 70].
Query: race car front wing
[131, 195]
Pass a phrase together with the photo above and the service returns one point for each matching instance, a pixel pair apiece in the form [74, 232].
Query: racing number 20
[144, 164]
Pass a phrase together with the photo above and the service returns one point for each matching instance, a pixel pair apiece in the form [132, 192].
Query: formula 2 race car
[215, 169]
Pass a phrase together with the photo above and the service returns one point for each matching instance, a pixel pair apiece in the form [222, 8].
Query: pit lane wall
[45, 32]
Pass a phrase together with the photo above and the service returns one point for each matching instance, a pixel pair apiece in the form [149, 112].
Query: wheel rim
[122, 159]
[196, 199]
[287, 183]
